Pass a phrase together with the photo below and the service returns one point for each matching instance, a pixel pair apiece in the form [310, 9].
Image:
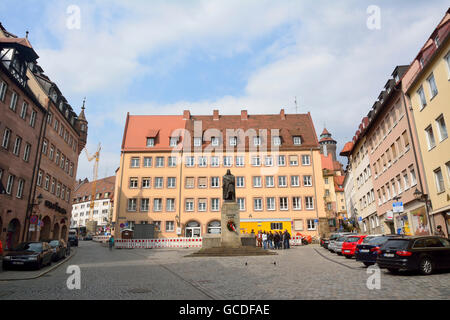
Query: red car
[349, 246]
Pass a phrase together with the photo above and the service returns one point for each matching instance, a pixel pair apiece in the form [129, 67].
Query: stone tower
[82, 127]
[327, 144]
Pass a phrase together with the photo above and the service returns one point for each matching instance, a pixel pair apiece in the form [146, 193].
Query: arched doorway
[214, 227]
[64, 232]
[13, 234]
[56, 231]
[45, 229]
[193, 229]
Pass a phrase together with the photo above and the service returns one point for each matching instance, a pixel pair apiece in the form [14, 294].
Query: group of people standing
[273, 240]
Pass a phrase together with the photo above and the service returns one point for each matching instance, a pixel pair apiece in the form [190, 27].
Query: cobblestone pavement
[308, 272]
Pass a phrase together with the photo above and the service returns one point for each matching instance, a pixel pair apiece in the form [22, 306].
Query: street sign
[390, 215]
[122, 225]
[33, 219]
[178, 231]
[359, 218]
[397, 207]
[32, 227]
[316, 220]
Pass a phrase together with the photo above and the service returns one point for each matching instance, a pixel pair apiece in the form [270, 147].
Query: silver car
[333, 238]
[339, 242]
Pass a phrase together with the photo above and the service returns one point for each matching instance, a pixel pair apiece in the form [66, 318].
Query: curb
[46, 271]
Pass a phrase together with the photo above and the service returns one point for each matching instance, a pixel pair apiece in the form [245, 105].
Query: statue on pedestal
[228, 187]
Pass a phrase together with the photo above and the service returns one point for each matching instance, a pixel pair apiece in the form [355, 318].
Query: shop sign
[397, 207]
[420, 221]
[390, 215]
[178, 230]
[55, 207]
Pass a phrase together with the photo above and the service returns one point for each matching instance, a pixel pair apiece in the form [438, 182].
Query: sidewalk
[12, 275]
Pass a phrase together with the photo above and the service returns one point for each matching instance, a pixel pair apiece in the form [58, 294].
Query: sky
[163, 57]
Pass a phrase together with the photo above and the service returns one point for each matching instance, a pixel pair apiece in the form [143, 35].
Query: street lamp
[423, 197]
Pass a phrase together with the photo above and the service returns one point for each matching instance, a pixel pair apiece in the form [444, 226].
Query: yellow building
[171, 173]
[428, 90]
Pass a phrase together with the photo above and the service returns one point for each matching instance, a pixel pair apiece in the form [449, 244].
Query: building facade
[428, 96]
[171, 173]
[103, 203]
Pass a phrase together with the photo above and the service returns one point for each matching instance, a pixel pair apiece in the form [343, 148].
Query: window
[309, 203]
[439, 179]
[256, 141]
[296, 203]
[9, 184]
[268, 161]
[282, 181]
[284, 203]
[39, 178]
[3, 88]
[23, 112]
[276, 141]
[44, 147]
[146, 183]
[134, 161]
[423, 100]
[214, 161]
[405, 139]
[447, 165]
[171, 182]
[202, 162]
[190, 182]
[293, 160]
[297, 140]
[52, 152]
[20, 186]
[170, 225]
[257, 204]
[132, 204]
[159, 162]
[214, 141]
[215, 203]
[227, 161]
[197, 142]
[270, 203]
[307, 181]
[157, 204]
[190, 161]
[133, 183]
[430, 137]
[170, 204]
[159, 182]
[306, 160]
[241, 204]
[413, 176]
[298, 225]
[269, 182]
[52, 188]
[33, 118]
[202, 182]
[172, 162]
[202, 204]
[240, 161]
[240, 182]
[189, 205]
[13, 102]
[233, 141]
[17, 144]
[399, 185]
[394, 151]
[440, 122]
[256, 182]
[173, 142]
[432, 85]
[215, 182]
[281, 161]
[295, 181]
[145, 204]
[326, 180]
[6, 136]
[311, 224]
[56, 125]
[256, 161]
[148, 162]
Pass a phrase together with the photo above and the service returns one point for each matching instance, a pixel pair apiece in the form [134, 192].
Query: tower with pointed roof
[327, 144]
[82, 126]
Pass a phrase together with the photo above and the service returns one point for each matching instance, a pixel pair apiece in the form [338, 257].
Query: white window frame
[442, 129]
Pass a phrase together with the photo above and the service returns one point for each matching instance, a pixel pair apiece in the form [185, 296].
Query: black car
[59, 249]
[367, 251]
[423, 253]
[324, 242]
[73, 240]
[34, 254]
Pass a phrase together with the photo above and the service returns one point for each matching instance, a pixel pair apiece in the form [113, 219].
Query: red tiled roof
[329, 164]
[339, 181]
[347, 149]
[102, 186]
[325, 131]
[23, 42]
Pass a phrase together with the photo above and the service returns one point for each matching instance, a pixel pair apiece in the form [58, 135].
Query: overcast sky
[161, 57]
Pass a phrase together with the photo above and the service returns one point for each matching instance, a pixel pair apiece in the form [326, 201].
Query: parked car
[350, 243]
[333, 238]
[324, 242]
[367, 251]
[35, 254]
[87, 238]
[73, 240]
[423, 253]
[59, 249]
[339, 242]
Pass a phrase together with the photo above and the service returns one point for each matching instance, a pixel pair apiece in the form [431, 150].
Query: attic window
[150, 142]
[215, 141]
[277, 141]
[233, 141]
[256, 141]
[173, 141]
[436, 41]
[297, 140]
[197, 142]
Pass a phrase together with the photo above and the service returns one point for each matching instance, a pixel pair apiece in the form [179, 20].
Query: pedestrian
[439, 232]
[270, 240]
[111, 242]
[286, 237]
[259, 239]
[280, 244]
[276, 239]
[264, 239]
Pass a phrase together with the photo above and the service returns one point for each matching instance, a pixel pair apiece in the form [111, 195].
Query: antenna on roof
[296, 106]
[84, 101]
[26, 34]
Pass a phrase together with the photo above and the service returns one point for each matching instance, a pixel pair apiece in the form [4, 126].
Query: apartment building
[427, 87]
[103, 203]
[171, 173]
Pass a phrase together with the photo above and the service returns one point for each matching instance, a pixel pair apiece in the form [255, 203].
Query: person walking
[439, 232]
[270, 240]
[259, 239]
[280, 243]
[276, 240]
[111, 242]
[264, 240]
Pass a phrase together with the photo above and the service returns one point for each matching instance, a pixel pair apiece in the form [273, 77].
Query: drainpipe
[179, 191]
[315, 193]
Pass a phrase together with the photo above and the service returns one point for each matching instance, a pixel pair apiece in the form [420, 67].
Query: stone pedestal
[230, 212]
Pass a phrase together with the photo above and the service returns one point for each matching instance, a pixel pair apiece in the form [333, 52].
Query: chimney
[244, 115]
[186, 115]
[283, 116]
[216, 115]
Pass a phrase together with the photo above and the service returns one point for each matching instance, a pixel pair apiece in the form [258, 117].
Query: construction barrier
[296, 241]
[158, 243]
[100, 238]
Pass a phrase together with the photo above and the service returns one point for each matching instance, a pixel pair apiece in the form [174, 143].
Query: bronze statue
[228, 187]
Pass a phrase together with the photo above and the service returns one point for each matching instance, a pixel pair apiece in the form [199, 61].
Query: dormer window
[277, 141]
[421, 62]
[256, 141]
[233, 141]
[397, 79]
[173, 141]
[61, 106]
[436, 41]
[215, 141]
[297, 140]
[197, 142]
[150, 142]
